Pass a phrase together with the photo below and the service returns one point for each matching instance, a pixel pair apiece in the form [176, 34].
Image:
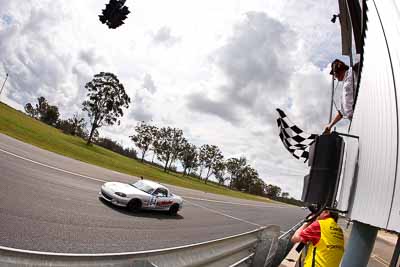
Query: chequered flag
[295, 140]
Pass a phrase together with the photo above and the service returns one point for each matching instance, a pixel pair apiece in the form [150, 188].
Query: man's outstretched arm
[296, 236]
[338, 117]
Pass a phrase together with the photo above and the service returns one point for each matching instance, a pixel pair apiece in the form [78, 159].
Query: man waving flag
[295, 140]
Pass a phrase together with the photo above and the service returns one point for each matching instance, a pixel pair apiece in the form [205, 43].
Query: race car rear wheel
[173, 210]
[135, 205]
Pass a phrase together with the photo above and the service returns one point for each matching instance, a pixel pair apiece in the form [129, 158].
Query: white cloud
[201, 103]
[164, 36]
[148, 84]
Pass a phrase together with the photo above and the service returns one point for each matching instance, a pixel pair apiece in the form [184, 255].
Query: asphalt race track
[50, 203]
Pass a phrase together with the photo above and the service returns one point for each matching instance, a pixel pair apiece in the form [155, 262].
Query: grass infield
[22, 127]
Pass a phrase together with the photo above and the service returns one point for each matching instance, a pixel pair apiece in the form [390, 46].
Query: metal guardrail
[291, 230]
[274, 252]
[293, 259]
[243, 261]
[232, 251]
[262, 247]
[280, 247]
[285, 245]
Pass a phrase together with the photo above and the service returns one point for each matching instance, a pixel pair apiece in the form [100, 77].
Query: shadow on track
[156, 214]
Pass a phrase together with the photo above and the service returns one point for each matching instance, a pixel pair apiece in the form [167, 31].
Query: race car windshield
[143, 186]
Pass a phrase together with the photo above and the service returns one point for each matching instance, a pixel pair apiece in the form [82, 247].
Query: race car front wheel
[173, 210]
[134, 205]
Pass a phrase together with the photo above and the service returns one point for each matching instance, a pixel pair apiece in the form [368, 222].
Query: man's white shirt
[347, 95]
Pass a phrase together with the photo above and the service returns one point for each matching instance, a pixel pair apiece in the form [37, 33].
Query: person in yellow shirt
[324, 238]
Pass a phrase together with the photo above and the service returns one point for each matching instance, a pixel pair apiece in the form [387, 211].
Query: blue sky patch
[6, 19]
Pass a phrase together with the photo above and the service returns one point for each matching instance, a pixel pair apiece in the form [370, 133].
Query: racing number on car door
[153, 201]
[164, 202]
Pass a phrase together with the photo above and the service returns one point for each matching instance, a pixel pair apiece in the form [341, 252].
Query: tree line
[106, 98]
[169, 146]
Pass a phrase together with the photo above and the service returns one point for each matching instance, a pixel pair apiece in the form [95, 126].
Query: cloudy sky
[216, 69]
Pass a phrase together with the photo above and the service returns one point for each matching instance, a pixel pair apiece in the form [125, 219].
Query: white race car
[143, 194]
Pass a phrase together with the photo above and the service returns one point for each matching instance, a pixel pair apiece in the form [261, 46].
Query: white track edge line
[51, 167]
[235, 203]
[224, 214]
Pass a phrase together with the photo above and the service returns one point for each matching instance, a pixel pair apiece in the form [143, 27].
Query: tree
[219, 170]
[188, 157]
[116, 147]
[50, 115]
[233, 167]
[155, 134]
[42, 106]
[245, 178]
[285, 195]
[202, 158]
[106, 98]
[65, 126]
[194, 165]
[165, 144]
[73, 126]
[257, 187]
[273, 191]
[46, 113]
[144, 137]
[30, 110]
[78, 125]
[212, 156]
[178, 145]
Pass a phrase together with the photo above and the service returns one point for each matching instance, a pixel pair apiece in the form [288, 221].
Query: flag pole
[3, 84]
[333, 85]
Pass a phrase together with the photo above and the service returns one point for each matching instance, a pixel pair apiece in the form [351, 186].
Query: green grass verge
[20, 126]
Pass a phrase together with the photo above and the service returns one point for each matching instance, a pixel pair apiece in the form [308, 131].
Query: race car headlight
[120, 194]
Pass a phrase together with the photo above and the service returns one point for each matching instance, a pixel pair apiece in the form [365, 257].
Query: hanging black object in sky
[114, 14]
